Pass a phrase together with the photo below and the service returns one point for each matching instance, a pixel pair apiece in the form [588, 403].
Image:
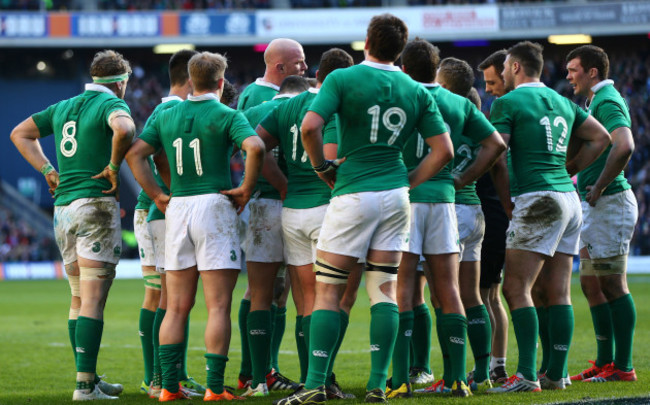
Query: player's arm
[253, 146]
[136, 158]
[271, 171]
[491, 148]
[619, 155]
[311, 131]
[594, 139]
[123, 130]
[25, 136]
[441, 153]
[162, 165]
[501, 178]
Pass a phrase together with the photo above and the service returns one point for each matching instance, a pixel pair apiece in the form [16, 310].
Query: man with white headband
[92, 133]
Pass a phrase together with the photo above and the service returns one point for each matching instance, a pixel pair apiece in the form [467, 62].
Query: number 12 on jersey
[195, 145]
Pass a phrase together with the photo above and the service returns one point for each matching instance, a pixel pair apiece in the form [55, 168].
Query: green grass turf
[36, 363]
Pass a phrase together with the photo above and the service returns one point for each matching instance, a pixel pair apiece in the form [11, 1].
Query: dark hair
[109, 63]
[387, 36]
[206, 69]
[420, 60]
[496, 59]
[178, 74]
[529, 55]
[458, 75]
[591, 56]
[293, 84]
[474, 97]
[229, 93]
[331, 60]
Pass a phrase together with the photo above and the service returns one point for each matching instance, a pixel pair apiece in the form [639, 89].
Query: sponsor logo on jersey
[320, 353]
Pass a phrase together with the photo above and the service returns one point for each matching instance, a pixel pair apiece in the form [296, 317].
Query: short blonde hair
[206, 68]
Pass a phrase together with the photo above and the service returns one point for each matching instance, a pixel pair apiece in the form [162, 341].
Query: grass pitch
[37, 367]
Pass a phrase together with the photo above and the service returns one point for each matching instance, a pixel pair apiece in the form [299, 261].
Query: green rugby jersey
[83, 140]
[305, 188]
[379, 107]
[539, 122]
[198, 136]
[167, 102]
[610, 109]
[256, 93]
[255, 114]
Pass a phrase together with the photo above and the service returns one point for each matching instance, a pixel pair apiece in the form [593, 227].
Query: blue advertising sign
[199, 23]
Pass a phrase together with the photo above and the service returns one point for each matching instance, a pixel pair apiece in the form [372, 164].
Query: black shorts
[493, 250]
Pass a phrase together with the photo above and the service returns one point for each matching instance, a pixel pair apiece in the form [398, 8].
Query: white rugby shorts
[143, 237]
[433, 229]
[89, 228]
[157, 230]
[545, 222]
[357, 222]
[301, 228]
[201, 230]
[471, 229]
[608, 227]
[263, 242]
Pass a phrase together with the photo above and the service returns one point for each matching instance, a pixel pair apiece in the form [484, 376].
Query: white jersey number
[295, 131]
[195, 145]
[557, 122]
[396, 128]
[69, 143]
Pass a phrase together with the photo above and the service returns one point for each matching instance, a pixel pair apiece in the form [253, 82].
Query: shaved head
[284, 57]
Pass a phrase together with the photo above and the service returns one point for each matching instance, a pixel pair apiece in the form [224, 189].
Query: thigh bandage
[151, 279]
[97, 273]
[328, 274]
[376, 275]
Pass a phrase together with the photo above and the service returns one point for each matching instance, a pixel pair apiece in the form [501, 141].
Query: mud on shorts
[546, 222]
[263, 241]
[144, 238]
[89, 228]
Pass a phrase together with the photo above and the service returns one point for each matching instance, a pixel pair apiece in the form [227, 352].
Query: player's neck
[371, 58]
[525, 79]
[269, 77]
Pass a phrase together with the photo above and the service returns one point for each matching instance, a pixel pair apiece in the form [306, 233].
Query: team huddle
[377, 169]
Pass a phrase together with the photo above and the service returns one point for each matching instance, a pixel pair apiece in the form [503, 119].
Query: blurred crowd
[19, 241]
[188, 5]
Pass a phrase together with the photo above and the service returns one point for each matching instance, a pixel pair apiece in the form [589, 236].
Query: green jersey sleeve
[612, 115]
[431, 122]
[330, 131]
[151, 135]
[240, 129]
[328, 98]
[43, 121]
[501, 117]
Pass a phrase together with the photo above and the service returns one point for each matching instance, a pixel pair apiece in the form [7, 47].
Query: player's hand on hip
[593, 194]
[113, 177]
[239, 197]
[162, 201]
[52, 179]
[327, 170]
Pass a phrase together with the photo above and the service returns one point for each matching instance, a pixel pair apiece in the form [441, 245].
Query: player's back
[255, 94]
[540, 123]
[379, 108]
[83, 141]
[197, 138]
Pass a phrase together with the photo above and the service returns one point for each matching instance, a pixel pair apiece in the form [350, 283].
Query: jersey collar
[99, 88]
[430, 84]
[171, 98]
[261, 82]
[532, 84]
[203, 97]
[285, 95]
[313, 90]
[600, 85]
[381, 66]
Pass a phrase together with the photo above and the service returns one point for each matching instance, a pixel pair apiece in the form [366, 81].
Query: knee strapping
[74, 313]
[97, 273]
[376, 275]
[328, 274]
[151, 279]
[74, 285]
